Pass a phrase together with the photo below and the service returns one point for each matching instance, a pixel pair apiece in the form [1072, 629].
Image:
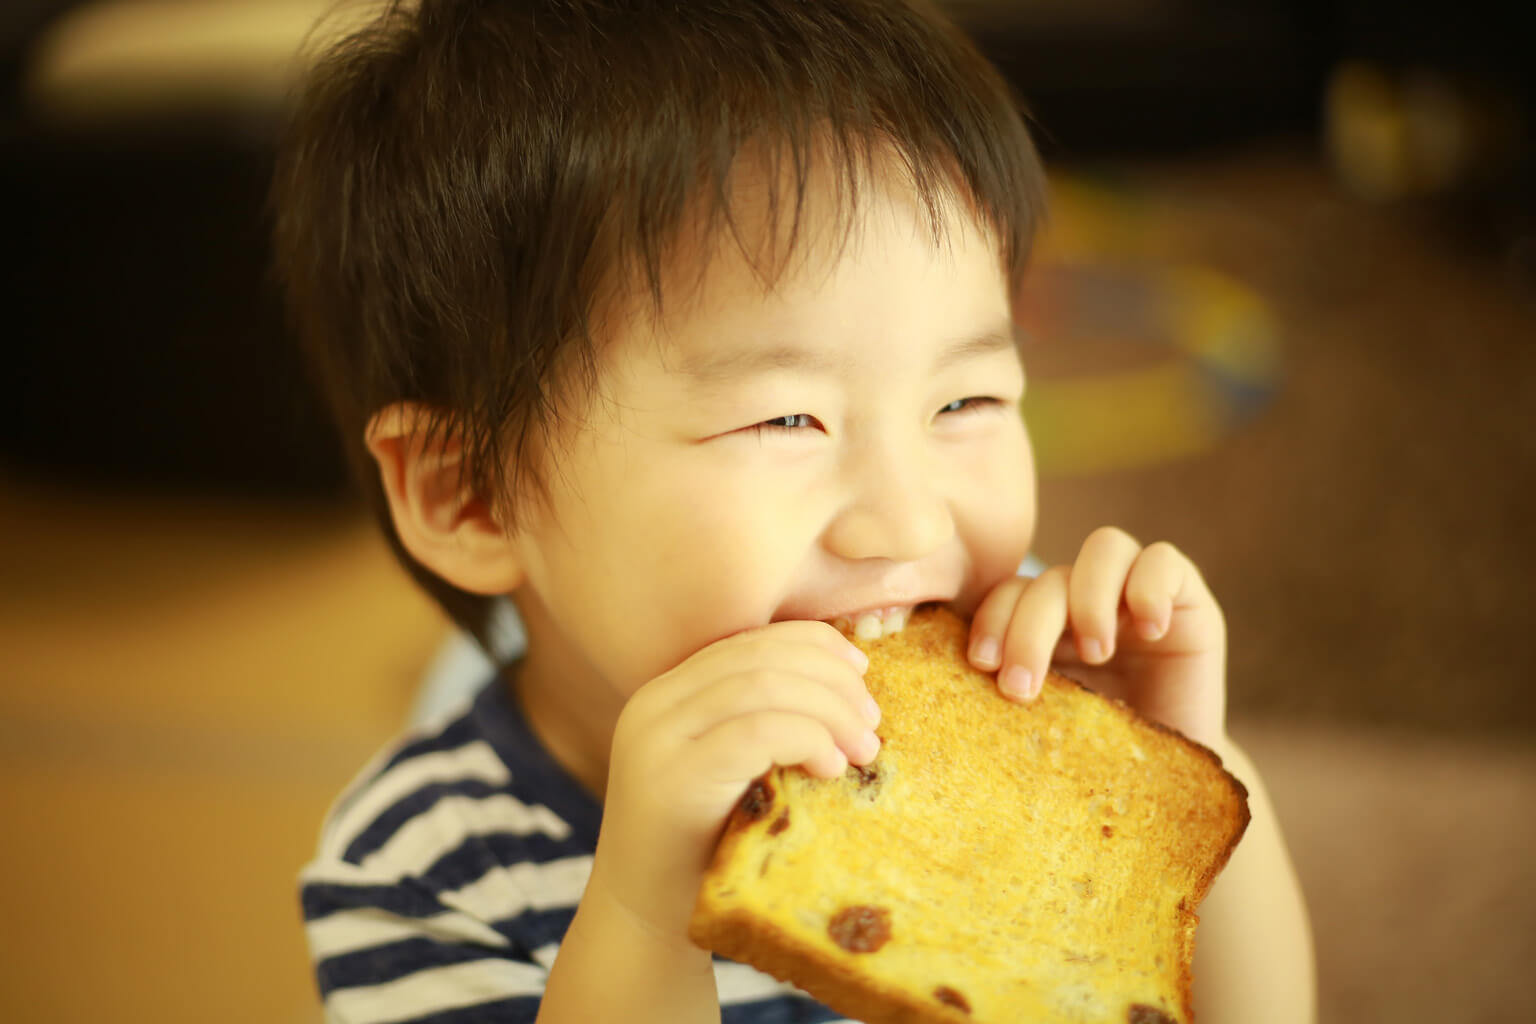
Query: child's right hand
[690, 741]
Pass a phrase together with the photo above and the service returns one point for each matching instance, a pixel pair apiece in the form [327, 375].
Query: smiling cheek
[717, 556]
[997, 525]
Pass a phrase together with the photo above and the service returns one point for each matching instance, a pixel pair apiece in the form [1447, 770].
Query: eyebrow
[713, 367]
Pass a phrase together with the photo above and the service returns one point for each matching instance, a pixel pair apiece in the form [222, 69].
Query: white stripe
[347, 931]
[475, 760]
[359, 783]
[339, 872]
[420, 842]
[435, 990]
[506, 892]
[738, 983]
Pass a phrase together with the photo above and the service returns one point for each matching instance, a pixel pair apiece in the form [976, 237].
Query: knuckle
[757, 680]
[757, 730]
[1143, 600]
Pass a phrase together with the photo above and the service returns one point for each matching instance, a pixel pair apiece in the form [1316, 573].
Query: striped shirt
[448, 872]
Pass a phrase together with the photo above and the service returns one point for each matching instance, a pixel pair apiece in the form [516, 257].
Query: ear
[443, 524]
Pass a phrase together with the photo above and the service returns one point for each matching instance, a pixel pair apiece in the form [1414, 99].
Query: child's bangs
[922, 111]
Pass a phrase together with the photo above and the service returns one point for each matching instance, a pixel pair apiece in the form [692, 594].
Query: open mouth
[874, 623]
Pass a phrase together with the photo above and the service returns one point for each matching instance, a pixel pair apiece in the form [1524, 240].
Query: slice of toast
[998, 863]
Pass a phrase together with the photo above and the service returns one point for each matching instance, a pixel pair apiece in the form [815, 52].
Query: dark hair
[461, 178]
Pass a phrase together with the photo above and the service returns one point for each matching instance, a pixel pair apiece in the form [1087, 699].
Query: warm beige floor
[1414, 852]
[186, 686]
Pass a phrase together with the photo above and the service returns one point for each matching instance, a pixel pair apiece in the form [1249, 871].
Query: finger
[789, 635]
[1187, 610]
[835, 663]
[1038, 620]
[990, 623]
[740, 749]
[807, 647]
[762, 690]
[1157, 579]
[1097, 588]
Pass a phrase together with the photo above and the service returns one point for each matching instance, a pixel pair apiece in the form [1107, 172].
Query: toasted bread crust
[741, 936]
[902, 893]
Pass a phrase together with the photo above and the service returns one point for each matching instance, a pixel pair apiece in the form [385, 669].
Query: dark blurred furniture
[141, 321]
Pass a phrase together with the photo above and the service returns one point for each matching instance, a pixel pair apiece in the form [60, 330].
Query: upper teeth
[873, 625]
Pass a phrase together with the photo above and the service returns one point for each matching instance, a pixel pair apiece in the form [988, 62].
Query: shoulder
[440, 807]
[439, 870]
[439, 783]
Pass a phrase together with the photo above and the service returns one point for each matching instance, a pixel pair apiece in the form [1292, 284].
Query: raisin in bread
[998, 863]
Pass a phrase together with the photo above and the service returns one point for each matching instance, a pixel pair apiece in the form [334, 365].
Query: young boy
[689, 327]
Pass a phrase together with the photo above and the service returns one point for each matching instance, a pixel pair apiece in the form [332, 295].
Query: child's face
[849, 441]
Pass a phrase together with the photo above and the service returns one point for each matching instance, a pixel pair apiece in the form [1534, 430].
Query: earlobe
[445, 526]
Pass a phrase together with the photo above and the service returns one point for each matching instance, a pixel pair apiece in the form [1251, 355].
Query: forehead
[778, 240]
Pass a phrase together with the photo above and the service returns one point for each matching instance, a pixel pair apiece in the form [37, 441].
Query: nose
[895, 508]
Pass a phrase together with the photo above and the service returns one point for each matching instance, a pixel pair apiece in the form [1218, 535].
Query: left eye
[795, 421]
[971, 404]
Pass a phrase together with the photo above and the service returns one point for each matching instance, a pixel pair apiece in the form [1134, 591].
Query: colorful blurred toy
[1193, 353]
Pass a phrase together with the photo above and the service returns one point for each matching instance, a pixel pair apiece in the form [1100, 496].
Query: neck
[569, 709]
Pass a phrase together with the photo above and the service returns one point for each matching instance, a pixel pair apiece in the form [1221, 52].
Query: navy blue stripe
[470, 860]
[520, 1010]
[789, 1009]
[467, 863]
[322, 899]
[394, 960]
[500, 720]
[537, 928]
[534, 847]
[412, 804]
[508, 847]
[455, 734]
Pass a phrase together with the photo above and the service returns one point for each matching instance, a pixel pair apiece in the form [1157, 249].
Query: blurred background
[1284, 316]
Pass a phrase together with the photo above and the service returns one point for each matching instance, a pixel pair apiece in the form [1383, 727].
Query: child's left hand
[1133, 622]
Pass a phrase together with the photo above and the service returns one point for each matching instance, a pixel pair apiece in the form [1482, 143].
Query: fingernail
[859, 659]
[1016, 682]
[1151, 629]
[871, 711]
[1093, 650]
[984, 653]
